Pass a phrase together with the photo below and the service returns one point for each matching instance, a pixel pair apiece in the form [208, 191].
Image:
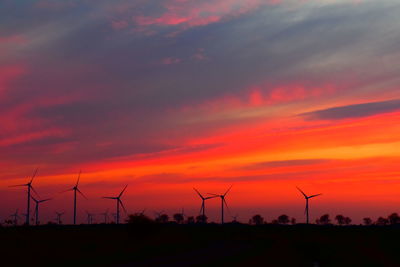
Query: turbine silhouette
[76, 189]
[223, 202]
[29, 188]
[203, 200]
[37, 208]
[15, 217]
[118, 199]
[307, 198]
[58, 218]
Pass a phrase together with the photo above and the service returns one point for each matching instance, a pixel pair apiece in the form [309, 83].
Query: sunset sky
[167, 95]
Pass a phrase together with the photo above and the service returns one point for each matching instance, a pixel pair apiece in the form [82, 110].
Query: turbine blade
[301, 192]
[44, 200]
[34, 174]
[34, 199]
[226, 205]
[33, 189]
[120, 194]
[314, 195]
[228, 190]
[79, 191]
[79, 177]
[122, 205]
[198, 193]
[211, 197]
[109, 197]
[18, 185]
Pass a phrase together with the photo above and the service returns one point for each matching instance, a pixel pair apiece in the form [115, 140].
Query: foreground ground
[200, 245]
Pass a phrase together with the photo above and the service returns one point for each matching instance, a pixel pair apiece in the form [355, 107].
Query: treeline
[326, 219]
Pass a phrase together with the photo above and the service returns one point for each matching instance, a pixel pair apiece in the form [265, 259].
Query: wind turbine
[203, 200]
[37, 208]
[105, 214]
[307, 198]
[118, 199]
[76, 189]
[89, 217]
[223, 203]
[15, 217]
[59, 214]
[29, 188]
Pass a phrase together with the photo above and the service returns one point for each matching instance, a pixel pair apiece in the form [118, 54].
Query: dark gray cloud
[354, 111]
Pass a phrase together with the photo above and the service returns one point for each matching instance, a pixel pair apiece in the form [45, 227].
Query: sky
[164, 96]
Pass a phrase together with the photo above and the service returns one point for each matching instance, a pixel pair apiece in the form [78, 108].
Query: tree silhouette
[178, 217]
[293, 221]
[394, 218]
[367, 221]
[257, 219]
[324, 219]
[138, 218]
[347, 220]
[340, 219]
[382, 221]
[283, 219]
[201, 219]
[164, 218]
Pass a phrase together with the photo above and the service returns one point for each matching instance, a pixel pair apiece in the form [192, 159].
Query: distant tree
[347, 220]
[340, 219]
[293, 221]
[367, 221]
[8, 222]
[283, 219]
[324, 219]
[201, 219]
[257, 219]
[382, 221]
[164, 218]
[138, 218]
[178, 217]
[190, 220]
[394, 218]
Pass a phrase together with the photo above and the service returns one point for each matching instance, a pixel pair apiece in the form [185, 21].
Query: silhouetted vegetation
[257, 220]
[367, 221]
[324, 220]
[283, 219]
[138, 218]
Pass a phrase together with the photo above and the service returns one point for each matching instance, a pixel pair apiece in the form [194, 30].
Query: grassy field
[200, 245]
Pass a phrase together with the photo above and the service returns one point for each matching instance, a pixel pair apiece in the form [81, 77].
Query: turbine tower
[76, 189]
[105, 214]
[89, 217]
[29, 188]
[58, 218]
[15, 217]
[307, 198]
[203, 204]
[223, 203]
[37, 208]
[118, 199]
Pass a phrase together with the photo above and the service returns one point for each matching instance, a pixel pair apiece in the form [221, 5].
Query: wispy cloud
[354, 111]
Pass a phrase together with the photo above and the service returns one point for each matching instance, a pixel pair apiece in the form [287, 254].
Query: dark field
[200, 245]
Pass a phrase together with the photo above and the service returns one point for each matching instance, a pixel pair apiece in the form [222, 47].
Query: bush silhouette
[283, 219]
[257, 219]
[367, 221]
[138, 218]
[394, 218]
